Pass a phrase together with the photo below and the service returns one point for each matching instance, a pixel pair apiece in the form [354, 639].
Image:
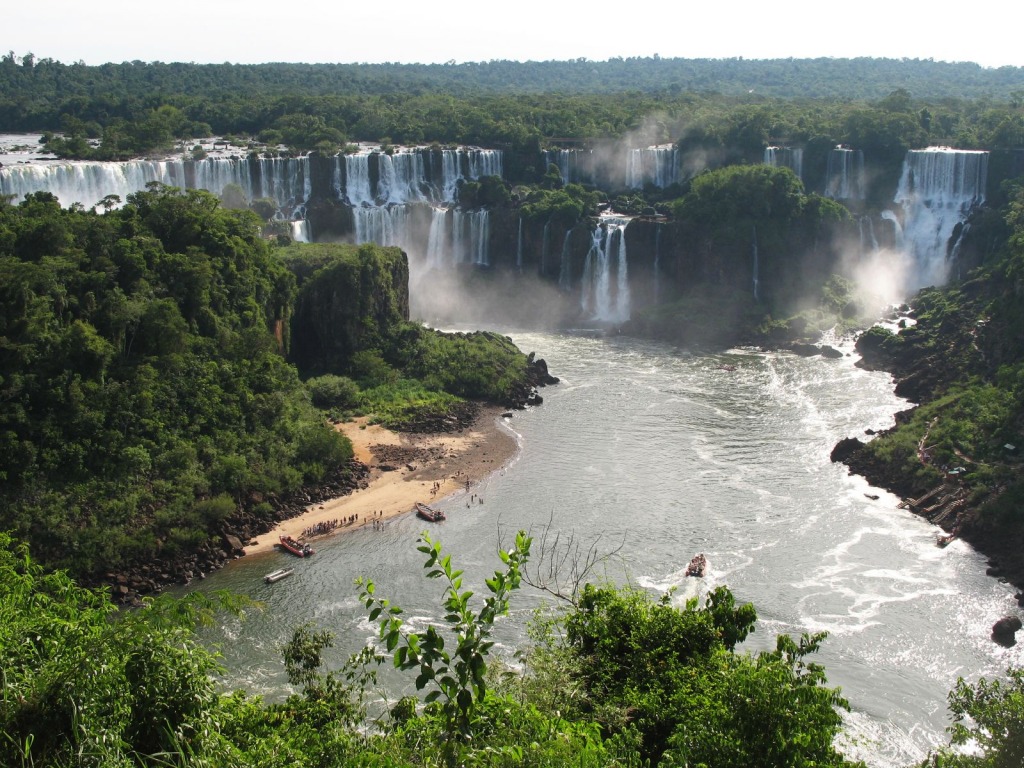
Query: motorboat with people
[698, 566]
[429, 513]
[297, 547]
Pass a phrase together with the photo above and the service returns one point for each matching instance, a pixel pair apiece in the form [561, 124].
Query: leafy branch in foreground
[459, 678]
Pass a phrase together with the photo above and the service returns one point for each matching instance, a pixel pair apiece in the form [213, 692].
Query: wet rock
[805, 350]
[233, 544]
[1004, 631]
[845, 448]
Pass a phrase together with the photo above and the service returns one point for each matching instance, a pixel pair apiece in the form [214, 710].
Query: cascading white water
[602, 298]
[88, 183]
[868, 241]
[897, 228]
[938, 189]
[652, 165]
[437, 240]
[470, 237]
[785, 157]
[285, 180]
[381, 225]
[421, 176]
[357, 180]
[300, 231]
[408, 176]
[405, 174]
[844, 176]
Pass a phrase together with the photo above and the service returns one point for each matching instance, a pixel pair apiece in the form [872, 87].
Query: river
[668, 454]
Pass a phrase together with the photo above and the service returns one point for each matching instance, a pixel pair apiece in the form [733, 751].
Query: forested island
[172, 356]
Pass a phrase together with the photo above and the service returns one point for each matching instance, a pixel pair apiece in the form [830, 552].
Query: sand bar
[404, 469]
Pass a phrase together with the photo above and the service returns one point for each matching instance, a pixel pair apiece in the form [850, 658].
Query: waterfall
[470, 236]
[938, 189]
[564, 267]
[88, 183]
[381, 225]
[357, 180]
[437, 240]
[868, 241]
[414, 175]
[364, 178]
[785, 157]
[658, 166]
[897, 227]
[285, 180]
[300, 231]
[844, 176]
[600, 298]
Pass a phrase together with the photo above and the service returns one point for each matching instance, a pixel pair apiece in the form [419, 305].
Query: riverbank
[405, 468]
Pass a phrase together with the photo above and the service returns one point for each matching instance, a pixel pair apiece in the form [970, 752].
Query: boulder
[233, 544]
[830, 352]
[845, 448]
[1004, 631]
[804, 350]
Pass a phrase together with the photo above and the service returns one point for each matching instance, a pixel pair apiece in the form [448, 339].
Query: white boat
[280, 573]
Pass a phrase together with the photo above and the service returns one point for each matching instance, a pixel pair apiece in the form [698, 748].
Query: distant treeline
[821, 78]
[138, 107]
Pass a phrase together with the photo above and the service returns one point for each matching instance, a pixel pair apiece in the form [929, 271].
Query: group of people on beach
[326, 526]
[319, 529]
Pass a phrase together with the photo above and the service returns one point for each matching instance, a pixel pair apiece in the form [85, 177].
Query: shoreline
[404, 468]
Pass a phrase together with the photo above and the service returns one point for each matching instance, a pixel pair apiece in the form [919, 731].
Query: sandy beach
[406, 468]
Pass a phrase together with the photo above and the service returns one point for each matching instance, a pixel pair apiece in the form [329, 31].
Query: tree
[989, 715]
[457, 679]
[672, 677]
[83, 685]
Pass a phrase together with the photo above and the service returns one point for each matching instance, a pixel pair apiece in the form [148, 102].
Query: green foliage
[350, 300]
[481, 365]
[742, 193]
[331, 391]
[401, 403]
[620, 680]
[672, 677]
[988, 716]
[457, 679]
[83, 685]
[562, 207]
[487, 192]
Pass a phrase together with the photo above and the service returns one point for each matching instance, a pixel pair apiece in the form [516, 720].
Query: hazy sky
[253, 31]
